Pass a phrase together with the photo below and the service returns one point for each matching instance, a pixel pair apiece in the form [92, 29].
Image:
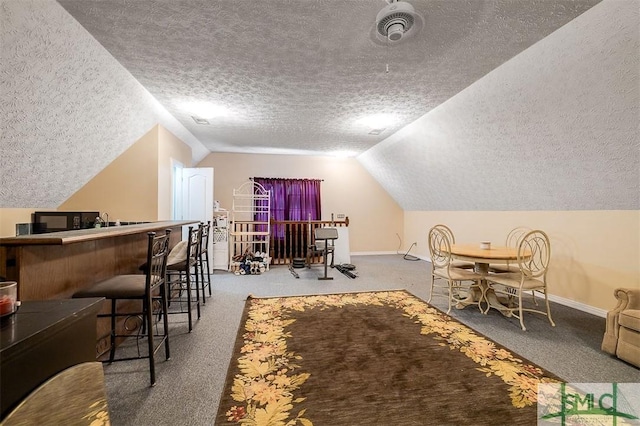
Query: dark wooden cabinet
[42, 339]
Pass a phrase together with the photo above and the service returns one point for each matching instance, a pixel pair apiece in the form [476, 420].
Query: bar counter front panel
[56, 265]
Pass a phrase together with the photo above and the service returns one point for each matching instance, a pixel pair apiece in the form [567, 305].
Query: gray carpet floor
[189, 385]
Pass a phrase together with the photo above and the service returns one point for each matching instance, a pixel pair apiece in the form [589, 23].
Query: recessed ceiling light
[377, 131]
[343, 154]
[205, 110]
[377, 121]
[199, 120]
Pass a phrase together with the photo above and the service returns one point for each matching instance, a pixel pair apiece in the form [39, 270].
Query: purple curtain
[292, 199]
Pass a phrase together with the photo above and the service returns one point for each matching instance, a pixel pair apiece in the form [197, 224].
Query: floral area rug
[377, 358]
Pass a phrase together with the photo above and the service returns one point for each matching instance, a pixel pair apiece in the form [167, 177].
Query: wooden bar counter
[56, 265]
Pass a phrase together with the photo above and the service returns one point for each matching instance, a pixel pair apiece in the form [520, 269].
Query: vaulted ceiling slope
[555, 128]
[296, 76]
[513, 120]
[68, 108]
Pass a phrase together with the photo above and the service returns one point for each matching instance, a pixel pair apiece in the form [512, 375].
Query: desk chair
[75, 396]
[147, 289]
[324, 243]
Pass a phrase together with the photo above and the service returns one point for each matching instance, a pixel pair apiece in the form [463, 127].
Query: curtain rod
[256, 177]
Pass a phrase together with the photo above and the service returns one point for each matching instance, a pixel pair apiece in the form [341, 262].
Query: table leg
[490, 295]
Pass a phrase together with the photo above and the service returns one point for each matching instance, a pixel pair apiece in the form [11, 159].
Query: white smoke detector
[397, 21]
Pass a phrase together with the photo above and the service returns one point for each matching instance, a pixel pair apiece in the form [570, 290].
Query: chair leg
[520, 311]
[197, 292]
[112, 349]
[188, 284]
[431, 291]
[450, 295]
[206, 261]
[148, 314]
[546, 299]
[200, 269]
[165, 322]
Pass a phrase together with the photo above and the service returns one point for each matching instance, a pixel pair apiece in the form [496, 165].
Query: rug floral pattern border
[270, 373]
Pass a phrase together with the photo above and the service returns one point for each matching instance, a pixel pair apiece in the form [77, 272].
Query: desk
[482, 258]
[42, 339]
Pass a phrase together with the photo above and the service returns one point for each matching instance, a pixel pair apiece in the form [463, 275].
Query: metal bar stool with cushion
[183, 274]
[534, 253]
[146, 288]
[442, 268]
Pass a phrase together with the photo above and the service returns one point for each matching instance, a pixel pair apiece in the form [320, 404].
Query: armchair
[622, 334]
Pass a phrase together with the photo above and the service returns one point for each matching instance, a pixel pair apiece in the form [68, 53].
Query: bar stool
[203, 259]
[182, 273]
[146, 288]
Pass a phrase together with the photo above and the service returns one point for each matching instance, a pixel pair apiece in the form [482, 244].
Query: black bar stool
[203, 259]
[183, 274]
[146, 288]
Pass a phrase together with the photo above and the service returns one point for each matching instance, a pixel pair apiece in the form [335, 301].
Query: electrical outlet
[340, 216]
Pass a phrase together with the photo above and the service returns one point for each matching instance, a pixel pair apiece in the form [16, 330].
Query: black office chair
[146, 288]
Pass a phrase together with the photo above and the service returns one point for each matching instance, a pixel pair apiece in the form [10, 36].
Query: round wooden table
[482, 258]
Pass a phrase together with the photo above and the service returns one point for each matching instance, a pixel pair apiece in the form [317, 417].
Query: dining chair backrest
[515, 235]
[157, 252]
[439, 247]
[448, 231]
[534, 253]
[193, 248]
[204, 237]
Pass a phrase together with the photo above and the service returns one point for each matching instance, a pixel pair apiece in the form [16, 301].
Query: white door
[197, 197]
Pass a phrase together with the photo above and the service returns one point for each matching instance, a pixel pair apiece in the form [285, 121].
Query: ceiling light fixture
[205, 110]
[397, 21]
[377, 121]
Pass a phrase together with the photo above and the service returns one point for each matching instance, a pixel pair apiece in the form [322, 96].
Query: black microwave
[44, 222]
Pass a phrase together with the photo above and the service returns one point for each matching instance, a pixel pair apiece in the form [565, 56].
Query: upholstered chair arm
[627, 298]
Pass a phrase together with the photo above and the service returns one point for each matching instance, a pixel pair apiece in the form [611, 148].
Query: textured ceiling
[297, 75]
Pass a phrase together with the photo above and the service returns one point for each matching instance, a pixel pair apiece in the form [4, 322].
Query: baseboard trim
[579, 306]
[557, 299]
[371, 253]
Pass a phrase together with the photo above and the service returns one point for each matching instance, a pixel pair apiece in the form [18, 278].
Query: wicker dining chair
[442, 269]
[534, 254]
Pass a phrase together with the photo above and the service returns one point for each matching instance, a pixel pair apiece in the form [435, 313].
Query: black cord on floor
[411, 257]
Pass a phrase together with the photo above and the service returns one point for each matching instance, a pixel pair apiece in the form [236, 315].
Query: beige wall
[127, 189]
[592, 252]
[375, 218]
[170, 150]
[9, 218]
